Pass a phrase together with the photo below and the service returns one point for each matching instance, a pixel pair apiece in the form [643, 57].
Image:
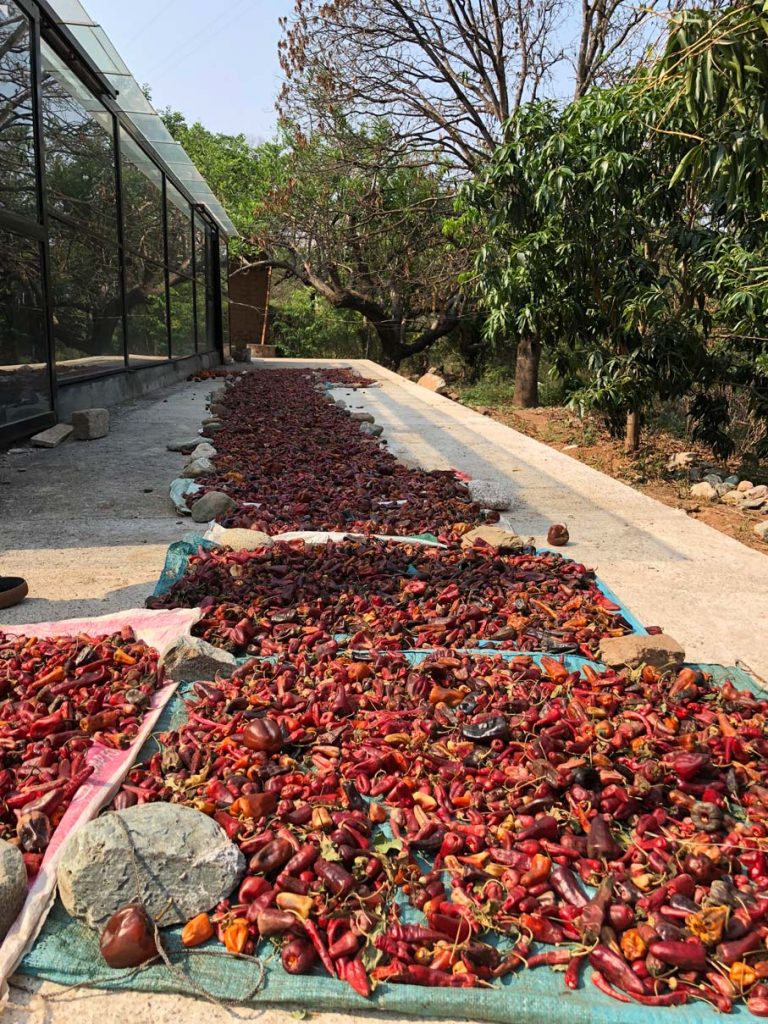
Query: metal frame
[44, 26]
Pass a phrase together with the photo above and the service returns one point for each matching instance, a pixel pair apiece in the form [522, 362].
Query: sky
[216, 63]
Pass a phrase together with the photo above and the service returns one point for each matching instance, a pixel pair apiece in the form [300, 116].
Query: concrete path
[88, 525]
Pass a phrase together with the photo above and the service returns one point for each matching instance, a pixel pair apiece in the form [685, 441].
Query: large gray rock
[761, 491]
[372, 429]
[502, 540]
[13, 885]
[203, 451]
[713, 478]
[185, 444]
[196, 468]
[660, 651]
[90, 424]
[362, 417]
[489, 494]
[185, 864]
[191, 659]
[212, 504]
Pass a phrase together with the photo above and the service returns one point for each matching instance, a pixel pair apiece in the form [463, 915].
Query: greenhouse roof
[131, 100]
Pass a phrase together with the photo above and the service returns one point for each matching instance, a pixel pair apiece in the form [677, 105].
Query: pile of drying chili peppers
[532, 815]
[294, 596]
[333, 478]
[58, 697]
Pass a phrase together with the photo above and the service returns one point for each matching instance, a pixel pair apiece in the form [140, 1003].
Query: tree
[590, 251]
[447, 74]
[364, 230]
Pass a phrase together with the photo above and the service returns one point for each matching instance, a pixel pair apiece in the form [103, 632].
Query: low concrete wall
[102, 392]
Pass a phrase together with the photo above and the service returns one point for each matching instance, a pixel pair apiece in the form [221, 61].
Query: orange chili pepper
[122, 658]
[539, 870]
[197, 931]
[556, 671]
[742, 974]
[236, 935]
[726, 728]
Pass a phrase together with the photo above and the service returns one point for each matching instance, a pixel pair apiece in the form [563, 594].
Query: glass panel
[17, 136]
[79, 152]
[182, 317]
[24, 390]
[179, 231]
[202, 316]
[142, 200]
[224, 269]
[145, 300]
[87, 310]
[200, 245]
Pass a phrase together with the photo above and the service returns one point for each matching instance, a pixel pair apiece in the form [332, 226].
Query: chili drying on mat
[294, 596]
[307, 465]
[533, 815]
[58, 697]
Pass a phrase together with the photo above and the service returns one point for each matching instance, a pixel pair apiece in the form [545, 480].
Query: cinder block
[53, 436]
[89, 424]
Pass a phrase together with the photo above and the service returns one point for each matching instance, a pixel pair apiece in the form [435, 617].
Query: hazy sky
[215, 62]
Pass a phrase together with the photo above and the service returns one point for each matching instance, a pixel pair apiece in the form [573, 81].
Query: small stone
[184, 861]
[372, 429]
[745, 485]
[362, 417]
[218, 409]
[212, 428]
[704, 490]
[489, 494]
[13, 885]
[681, 460]
[210, 420]
[725, 488]
[660, 651]
[432, 382]
[713, 478]
[191, 659]
[90, 424]
[695, 473]
[212, 504]
[53, 436]
[203, 451]
[502, 540]
[754, 503]
[340, 405]
[196, 468]
[184, 445]
[761, 491]
[734, 498]
[761, 529]
[732, 480]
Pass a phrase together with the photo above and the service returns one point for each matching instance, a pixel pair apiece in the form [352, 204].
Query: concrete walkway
[88, 525]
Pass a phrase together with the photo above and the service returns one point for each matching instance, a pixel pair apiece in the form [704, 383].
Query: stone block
[53, 436]
[191, 659]
[90, 424]
[660, 651]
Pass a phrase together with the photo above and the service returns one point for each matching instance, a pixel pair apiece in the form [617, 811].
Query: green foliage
[239, 173]
[640, 267]
[305, 325]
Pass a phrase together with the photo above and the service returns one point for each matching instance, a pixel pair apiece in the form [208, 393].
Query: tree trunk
[391, 346]
[632, 433]
[526, 394]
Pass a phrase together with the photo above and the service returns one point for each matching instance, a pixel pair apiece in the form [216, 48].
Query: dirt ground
[589, 442]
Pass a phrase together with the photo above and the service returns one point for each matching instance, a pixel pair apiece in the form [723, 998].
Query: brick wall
[248, 300]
